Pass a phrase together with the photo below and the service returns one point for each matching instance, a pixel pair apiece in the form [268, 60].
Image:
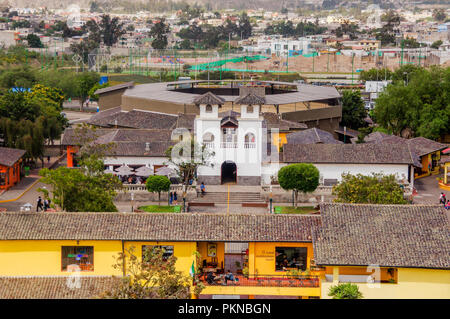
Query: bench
[199, 204]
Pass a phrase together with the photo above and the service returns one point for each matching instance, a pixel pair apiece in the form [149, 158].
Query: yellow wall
[182, 250]
[412, 283]
[202, 249]
[43, 258]
[262, 257]
[279, 139]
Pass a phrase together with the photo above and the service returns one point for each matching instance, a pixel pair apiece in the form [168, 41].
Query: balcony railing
[208, 144]
[228, 145]
[266, 281]
[249, 145]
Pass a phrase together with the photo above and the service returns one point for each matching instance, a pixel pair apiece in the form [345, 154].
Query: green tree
[353, 110]
[18, 77]
[410, 43]
[158, 184]
[245, 27]
[159, 33]
[83, 48]
[375, 74]
[187, 156]
[34, 41]
[84, 82]
[151, 277]
[111, 29]
[97, 86]
[416, 102]
[345, 291]
[87, 189]
[374, 189]
[436, 44]
[300, 177]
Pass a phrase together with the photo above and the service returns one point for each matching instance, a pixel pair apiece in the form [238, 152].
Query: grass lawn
[160, 209]
[295, 210]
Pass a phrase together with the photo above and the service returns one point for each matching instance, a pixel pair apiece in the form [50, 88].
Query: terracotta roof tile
[54, 287]
[9, 156]
[160, 227]
[386, 235]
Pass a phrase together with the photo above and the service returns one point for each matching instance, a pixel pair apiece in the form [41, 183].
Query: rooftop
[406, 236]
[9, 156]
[157, 227]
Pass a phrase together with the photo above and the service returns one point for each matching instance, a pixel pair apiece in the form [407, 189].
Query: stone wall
[248, 180]
[208, 180]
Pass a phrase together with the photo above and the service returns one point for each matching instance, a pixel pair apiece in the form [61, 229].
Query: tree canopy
[374, 189]
[416, 101]
[159, 33]
[353, 110]
[158, 184]
[151, 277]
[87, 189]
[300, 177]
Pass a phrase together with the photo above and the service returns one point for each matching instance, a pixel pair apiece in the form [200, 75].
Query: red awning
[446, 151]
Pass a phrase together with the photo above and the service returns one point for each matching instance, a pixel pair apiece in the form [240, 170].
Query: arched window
[250, 109]
[249, 139]
[208, 137]
[208, 108]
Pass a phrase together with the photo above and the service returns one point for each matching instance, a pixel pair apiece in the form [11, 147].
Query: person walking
[442, 199]
[46, 206]
[171, 198]
[175, 198]
[39, 204]
[203, 188]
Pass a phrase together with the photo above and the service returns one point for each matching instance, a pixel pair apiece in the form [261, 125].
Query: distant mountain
[162, 5]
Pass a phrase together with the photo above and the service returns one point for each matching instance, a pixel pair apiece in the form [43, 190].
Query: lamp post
[184, 198]
[132, 202]
[270, 200]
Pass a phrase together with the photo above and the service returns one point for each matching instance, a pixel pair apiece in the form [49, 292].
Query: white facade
[241, 144]
[281, 47]
[334, 171]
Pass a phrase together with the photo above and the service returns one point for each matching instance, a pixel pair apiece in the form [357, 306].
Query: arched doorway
[228, 172]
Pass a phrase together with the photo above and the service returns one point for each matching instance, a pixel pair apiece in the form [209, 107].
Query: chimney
[147, 147]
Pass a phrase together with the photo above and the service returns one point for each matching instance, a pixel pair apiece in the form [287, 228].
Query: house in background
[10, 160]
[427, 150]
[386, 256]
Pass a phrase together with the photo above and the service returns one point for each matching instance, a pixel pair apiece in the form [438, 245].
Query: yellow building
[270, 255]
[55, 245]
[388, 251]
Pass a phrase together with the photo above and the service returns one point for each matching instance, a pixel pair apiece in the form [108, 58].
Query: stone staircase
[235, 198]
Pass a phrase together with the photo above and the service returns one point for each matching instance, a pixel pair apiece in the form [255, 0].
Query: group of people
[133, 180]
[42, 205]
[443, 200]
[173, 198]
[213, 279]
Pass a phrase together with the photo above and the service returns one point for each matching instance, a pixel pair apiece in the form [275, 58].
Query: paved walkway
[218, 208]
[26, 191]
[428, 190]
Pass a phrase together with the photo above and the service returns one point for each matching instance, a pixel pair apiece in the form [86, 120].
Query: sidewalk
[18, 190]
[27, 182]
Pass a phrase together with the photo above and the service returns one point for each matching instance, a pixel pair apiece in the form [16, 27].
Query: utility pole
[353, 58]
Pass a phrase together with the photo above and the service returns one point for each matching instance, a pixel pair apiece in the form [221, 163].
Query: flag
[192, 270]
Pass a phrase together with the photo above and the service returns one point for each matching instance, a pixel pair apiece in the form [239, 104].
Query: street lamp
[132, 201]
[270, 200]
[406, 73]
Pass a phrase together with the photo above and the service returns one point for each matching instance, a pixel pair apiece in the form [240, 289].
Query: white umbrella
[124, 170]
[167, 171]
[109, 171]
[144, 171]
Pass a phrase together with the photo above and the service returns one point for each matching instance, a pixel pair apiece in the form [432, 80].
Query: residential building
[10, 166]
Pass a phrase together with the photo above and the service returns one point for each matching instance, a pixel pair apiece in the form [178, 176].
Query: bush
[345, 291]
[375, 189]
